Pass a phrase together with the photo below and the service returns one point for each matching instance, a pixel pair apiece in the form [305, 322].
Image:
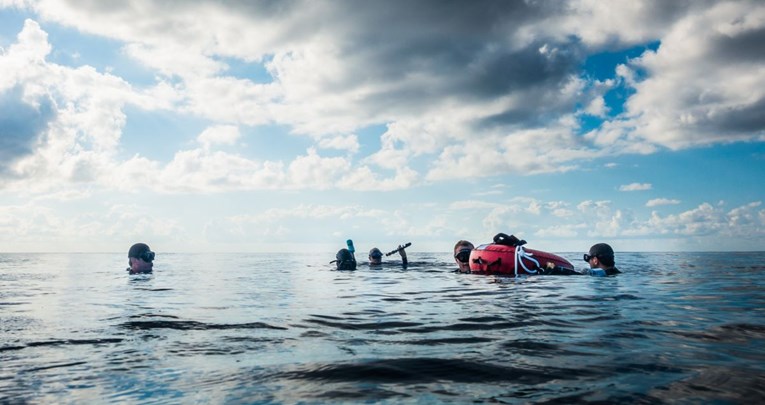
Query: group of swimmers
[600, 258]
[345, 259]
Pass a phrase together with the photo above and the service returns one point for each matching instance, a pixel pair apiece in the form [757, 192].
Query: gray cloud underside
[467, 51]
[747, 119]
[747, 50]
[419, 54]
[21, 125]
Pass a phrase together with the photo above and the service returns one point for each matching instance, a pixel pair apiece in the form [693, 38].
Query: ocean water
[259, 328]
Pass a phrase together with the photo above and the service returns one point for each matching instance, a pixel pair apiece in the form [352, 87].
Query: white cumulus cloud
[661, 201]
[635, 187]
[219, 135]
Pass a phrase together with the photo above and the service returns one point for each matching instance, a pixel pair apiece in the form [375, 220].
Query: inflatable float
[507, 256]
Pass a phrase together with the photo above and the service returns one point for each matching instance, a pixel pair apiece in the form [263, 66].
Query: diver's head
[600, 255]
[345, 260]
[375, 256]
[140, 258]
[462, 251]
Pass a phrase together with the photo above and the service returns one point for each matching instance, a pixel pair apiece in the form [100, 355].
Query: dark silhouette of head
[345, 260]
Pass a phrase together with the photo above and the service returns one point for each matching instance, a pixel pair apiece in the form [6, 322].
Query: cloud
[711, 224]
[488, 193]
[559, 209]
[174, 60]
[703, 84]
[597, 209]
[219, 135]
[303, 211]
[203, 170]
[22, 124]
[31, 47]
[26, 222]
[747, 219]
[473, 89]
[703, 220]
[530, 151]
[332, 74]
[26, 110]
[60, 125]
[312, 170]
[63, 126]
[349, 143]
[661, 201]
[635, 187]
[355, 74]
[37, 224]
[472, 204]
[597, 107]
[559, 231]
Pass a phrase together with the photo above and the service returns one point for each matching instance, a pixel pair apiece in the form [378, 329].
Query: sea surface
[275, 328]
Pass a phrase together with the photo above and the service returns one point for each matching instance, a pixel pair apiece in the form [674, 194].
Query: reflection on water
[675, 327]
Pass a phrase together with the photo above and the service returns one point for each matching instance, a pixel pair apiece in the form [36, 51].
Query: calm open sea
[252, 328]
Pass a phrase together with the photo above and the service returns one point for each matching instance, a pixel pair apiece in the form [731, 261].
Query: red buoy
[507, 256]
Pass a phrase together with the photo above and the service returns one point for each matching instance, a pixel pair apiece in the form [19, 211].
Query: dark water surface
[253, 328]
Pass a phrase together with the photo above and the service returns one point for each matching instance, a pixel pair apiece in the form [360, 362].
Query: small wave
[480, 319]
[248, 339]
[76, 363]
[642, 368]
[153, 316]
[747, 329]
[9, 348]
[194, 325]
[445, 341]
[530, 345]
[726, 333]
[395, 299]
[376, 394]
[626, 335]
[364, 326]
[75, 342]
[473, 326]
[62, 342]
[313, 334]
[191, 350]
[601, 298]
[422, 370]
[539, 349]
[717, 384]
[600, 318]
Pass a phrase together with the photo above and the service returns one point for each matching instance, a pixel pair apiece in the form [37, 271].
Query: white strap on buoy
[521, 254]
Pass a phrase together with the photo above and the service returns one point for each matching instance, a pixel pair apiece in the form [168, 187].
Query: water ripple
[420, 370]
[194, 325]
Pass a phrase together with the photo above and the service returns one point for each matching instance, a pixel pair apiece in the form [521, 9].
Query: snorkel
[351, 248]
[399, 248]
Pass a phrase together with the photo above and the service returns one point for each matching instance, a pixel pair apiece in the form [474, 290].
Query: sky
[291, 126]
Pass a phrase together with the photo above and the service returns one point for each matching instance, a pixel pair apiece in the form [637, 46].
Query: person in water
[140, 259]
[375, 256]
[462, 251]
[345, 260]
[601, 260]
